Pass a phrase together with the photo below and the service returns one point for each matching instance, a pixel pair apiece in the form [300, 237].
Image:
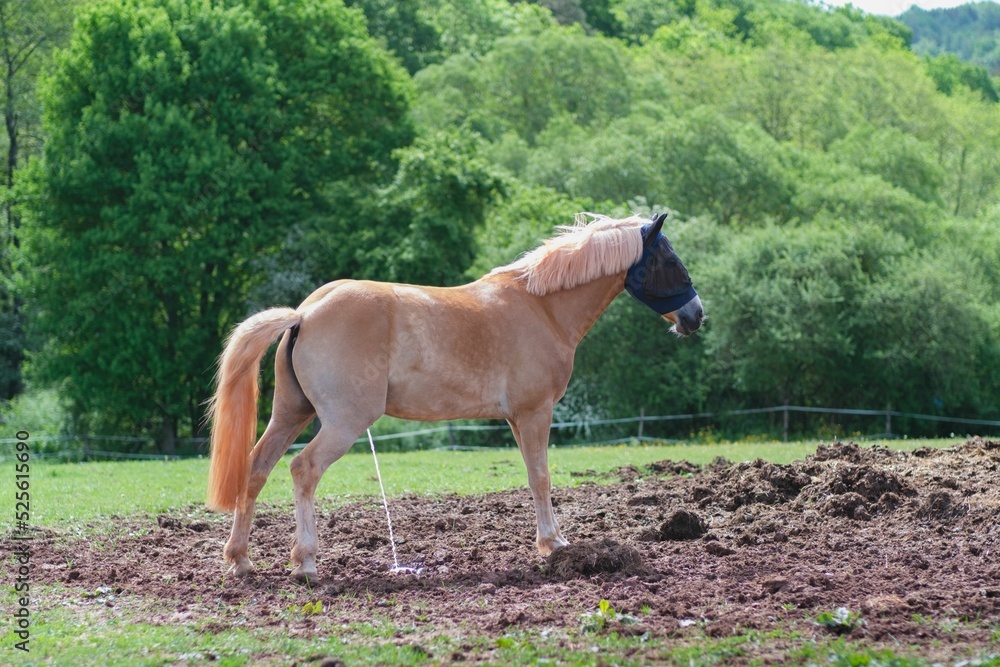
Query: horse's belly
[423, 397]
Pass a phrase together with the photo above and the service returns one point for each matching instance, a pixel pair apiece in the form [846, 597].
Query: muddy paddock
[907, 542]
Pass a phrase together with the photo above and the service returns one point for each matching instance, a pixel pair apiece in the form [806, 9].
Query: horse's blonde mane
[580, 253]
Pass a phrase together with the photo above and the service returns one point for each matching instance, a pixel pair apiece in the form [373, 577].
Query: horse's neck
[574, 311]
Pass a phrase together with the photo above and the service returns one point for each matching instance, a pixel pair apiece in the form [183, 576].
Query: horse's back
[429, 352]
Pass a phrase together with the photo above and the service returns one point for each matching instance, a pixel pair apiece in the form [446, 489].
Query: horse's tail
[234, 405]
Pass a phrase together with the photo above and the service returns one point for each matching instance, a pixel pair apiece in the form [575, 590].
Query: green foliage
[640, 18]
[898, 158]
[930, 337]
[700, 162]
[12, 342]
[970, 31]
[420, 228]
[518, 223]
[39, 412]
[605, 619]
[783, 328]
[726, 169]
[840, 621]
[835, 193]
[835, 314]
[431, 211]
[560, 71]
[29, 32]
[179, 131]
[949, 73]
[312, 608]
[600, 16]
[404, 29]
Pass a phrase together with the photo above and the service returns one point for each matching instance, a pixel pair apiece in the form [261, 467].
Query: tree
[560, 71]
[518, 222]
[184, 137]
[844, 194]
[970, 31]
[784, 307]
[405, 30]
[898, 158]
[724, 168]
[699, 163]
[28, 33]
[928, 338]
[640, 18]
[420, 228]
[949, 73]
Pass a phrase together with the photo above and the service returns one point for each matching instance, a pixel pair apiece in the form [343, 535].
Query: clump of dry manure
[674, 467]
[871, 483]
[756, 481]
[587, 558]
[977, 445]
[940, 505]
[849, 504]
[638, 501]
[683, 525]
[840, 451]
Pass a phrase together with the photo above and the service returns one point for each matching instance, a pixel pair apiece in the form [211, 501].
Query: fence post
[642, 415]
[888, 424]
[451, 436]
[786, 422]
[86, 447]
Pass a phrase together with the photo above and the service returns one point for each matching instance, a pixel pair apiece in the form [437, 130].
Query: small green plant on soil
[605, 616]
[841, 621]
[312, 608]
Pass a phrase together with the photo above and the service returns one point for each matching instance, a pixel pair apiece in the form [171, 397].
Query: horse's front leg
[532, 435]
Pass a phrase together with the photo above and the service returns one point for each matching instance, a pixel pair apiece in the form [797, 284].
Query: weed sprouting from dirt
[840, 621]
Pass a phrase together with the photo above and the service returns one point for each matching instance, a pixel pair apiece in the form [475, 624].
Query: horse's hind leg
[332, 442]
[292, 412]
[276, 440]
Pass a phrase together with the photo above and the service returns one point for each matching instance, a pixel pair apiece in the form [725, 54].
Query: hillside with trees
[971, 32]
[836, 195]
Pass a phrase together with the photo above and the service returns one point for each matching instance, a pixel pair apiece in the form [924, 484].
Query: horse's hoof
[242, 569]
[304, 575]
[548, 546]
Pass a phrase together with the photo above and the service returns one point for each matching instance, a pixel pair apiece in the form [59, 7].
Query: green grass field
[68, 497]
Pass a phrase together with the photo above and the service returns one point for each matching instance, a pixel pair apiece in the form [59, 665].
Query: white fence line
[642, 419]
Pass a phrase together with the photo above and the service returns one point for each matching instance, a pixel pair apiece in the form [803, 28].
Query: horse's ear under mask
[652, 231]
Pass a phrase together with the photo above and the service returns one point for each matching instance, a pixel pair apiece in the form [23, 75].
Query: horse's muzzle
[688, 319]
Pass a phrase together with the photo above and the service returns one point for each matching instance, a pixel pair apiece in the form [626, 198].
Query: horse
[501, 347]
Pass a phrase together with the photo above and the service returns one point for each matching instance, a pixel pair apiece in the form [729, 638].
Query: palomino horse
[501, 348]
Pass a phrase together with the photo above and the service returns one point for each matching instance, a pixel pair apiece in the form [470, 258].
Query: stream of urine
[396, 567]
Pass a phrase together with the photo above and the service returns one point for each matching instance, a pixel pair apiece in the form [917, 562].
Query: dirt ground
[907, 543]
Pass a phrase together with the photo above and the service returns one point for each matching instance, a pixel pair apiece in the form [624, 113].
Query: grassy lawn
[64, 638]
